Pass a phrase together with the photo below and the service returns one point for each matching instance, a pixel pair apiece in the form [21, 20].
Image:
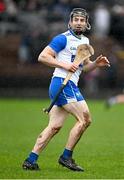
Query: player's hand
[71, 67]
[102, 61]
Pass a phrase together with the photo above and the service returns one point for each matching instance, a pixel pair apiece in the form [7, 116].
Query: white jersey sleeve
[65, 46]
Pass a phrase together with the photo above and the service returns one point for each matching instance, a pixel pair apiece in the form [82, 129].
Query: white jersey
[65, 46]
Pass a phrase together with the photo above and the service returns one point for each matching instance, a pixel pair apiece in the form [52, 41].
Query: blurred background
[27, 26]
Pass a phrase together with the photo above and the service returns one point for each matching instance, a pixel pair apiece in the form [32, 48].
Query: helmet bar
[80, 12]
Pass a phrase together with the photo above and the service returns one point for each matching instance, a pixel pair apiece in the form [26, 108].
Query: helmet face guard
[80, 12]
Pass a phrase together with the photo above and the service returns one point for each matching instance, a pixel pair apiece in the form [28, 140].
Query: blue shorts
[69, 94]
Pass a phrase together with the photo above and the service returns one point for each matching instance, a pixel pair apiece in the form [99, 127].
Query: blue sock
[67, 153]
[32, 158]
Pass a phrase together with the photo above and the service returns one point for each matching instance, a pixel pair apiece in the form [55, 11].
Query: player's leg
[118, 99]
[57, 117]
[81, 112]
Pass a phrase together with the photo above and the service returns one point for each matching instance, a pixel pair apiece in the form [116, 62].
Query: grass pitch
[100, 151]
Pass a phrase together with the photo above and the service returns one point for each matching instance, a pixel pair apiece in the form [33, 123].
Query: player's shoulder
[58, 42]
[84, 38]
[67, 33]
[60, 37]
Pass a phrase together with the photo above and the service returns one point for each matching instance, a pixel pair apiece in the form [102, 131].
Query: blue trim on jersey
[58, 43]
[70, 93]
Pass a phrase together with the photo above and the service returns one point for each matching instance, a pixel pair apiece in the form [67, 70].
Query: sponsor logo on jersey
[73, 48]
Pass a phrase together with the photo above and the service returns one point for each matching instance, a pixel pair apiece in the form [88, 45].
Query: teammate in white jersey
[60, 54]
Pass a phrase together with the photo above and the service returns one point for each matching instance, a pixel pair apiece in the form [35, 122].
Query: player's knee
[80, 126]
[87, 118]
[55, 129]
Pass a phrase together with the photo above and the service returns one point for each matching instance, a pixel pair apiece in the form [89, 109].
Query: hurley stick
[84, 51]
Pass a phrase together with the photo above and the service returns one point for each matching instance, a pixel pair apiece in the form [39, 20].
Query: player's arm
[48, 57]
[100, 61]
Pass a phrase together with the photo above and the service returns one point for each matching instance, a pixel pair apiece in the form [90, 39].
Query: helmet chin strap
[88, 26]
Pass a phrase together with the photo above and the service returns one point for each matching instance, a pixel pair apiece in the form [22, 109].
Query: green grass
[100, 151]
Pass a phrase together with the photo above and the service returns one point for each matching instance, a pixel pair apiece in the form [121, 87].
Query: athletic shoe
[29, 166]
[69, 163]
